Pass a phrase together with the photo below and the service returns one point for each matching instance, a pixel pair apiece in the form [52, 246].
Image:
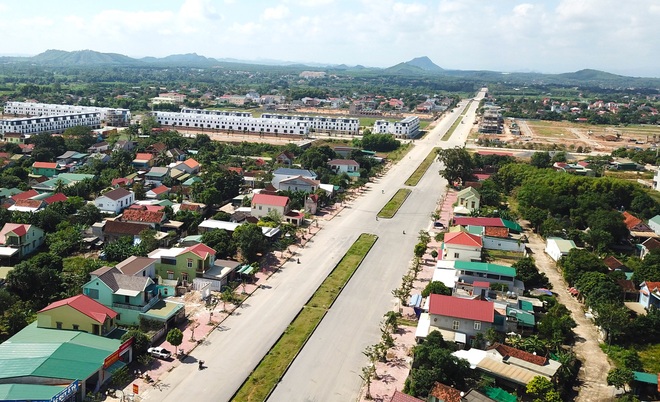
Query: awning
[460, 338]
[415, 300]
[115, 366]
[245, 269]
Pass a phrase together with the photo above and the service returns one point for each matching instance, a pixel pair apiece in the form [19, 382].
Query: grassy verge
[399, 153]
[422, 168]
[650, 357]
[504, 255]
[272, 367]
[393, 205]
[456, 123]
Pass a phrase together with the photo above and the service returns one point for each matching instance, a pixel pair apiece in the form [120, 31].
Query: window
[170, 274]
[455, 325]
[58, 325]
[477, 325]
[190, 262]
[184, 276]
[455, 255]
[93, 293]
[75, 327]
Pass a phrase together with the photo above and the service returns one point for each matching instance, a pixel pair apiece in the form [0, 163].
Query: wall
[498, 243]
[68, 316]
[465, 326]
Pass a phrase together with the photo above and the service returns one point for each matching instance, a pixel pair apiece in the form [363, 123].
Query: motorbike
[201, 365]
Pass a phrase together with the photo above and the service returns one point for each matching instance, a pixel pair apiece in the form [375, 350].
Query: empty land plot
[552, 129]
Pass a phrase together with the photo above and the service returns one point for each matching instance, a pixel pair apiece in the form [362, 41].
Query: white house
[468, 198]
[233, 123]
[49, 124]
[340, 166]
[299, 183]
[115, 201]
[112, 116]
[461, 246]
[138, 266]
[497, 238]
[19, 240]
[287, 173]
[189, 166]
[406, 128]
[557, 247]
[342, 125]
[262, 204]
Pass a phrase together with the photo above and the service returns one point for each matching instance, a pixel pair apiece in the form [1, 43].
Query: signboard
[110, 360]
[135, 389]
[67, 392]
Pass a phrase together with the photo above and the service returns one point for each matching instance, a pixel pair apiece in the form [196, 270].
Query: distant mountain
[80, 57]
[187, 60]
[405, 69]
[591, 75]
[425, 64]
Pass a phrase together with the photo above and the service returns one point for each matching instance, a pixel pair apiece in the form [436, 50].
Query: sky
[548, 36]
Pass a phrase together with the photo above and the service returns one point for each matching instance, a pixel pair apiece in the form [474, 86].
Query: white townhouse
[112, 116]
[216, 112]
[233, 123]
[50, 124]
[341, 125]
[115, 201]
[406, 128]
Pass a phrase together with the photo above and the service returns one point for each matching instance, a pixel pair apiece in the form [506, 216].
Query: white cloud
[275, 13]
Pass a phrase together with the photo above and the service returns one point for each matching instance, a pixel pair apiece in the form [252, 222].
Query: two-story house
[189, 166]
[340, 166]
[156, 175]
[78, 313]
[138, 266]
[285, 158]
[183, 264]
[129, 296]
[159, 192]
[115, 201]
[263, 204]
[461, 315]
[143, 160]
[151, 219]
[18, 240]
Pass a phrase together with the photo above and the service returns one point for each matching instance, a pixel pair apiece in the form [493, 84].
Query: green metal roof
[53, 353]
[485, 267]
[500, 395]
[525, 305]
[8, 192]
[655, 219]
[524, 318]
[27, 392]
[647, 378]
[162, 310]
[75, 176]
[475, 230]
[512, 225]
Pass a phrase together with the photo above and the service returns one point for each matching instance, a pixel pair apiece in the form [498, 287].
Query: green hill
[81, 57]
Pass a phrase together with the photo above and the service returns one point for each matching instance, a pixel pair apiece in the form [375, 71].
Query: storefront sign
[113, 358]
[67, 392]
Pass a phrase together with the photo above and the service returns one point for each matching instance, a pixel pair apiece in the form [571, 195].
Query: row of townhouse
[54, 124]
[406, 128]
[112, 116]
[343, 125]
[234, 123]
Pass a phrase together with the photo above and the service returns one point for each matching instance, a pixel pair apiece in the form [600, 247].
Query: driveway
[595, 365]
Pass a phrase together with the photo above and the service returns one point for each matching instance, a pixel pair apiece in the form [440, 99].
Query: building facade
[322, 124]
[55, 124]
[406, 128]
[232, 123]
[112, 116]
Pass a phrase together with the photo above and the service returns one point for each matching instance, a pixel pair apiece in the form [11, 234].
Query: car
[160, 353]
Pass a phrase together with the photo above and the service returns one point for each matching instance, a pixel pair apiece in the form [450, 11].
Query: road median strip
[456, 123]
[390, 209]
[270, 370]
[422, 168]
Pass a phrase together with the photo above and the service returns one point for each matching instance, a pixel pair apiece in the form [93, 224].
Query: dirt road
[593, 373]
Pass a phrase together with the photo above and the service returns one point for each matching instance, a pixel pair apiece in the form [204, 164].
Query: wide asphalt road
[233, 352]
[328, 367]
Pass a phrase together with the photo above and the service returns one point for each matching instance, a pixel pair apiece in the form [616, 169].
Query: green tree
[541, 160]
[175, 338]
[250, 241]
[436, 288]
[88, 214]
[420, 249]
[527, 272]
[613, 318]
[458, 165]
[221, 241]
[141, 341]
[392, 320]
[620, 377]
[579, 261]
[542, 390]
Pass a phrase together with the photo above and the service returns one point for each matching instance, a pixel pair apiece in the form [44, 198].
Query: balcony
[142, 309]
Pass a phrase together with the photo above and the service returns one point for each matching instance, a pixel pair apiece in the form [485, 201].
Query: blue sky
[550, 36]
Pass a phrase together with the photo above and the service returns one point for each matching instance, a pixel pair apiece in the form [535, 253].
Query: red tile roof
[137, 215]
[122, 181]
[630, 220]
[478, 221]
[265, 199]
[24, 195]
[445, 393]
[652, 285]
[469, 309]
[401, 397]
[44, 165]
[143, 157]
[201, 250]
[191, 163]
[508, 351]
[190, 207]
[481, 284]
[160, 190]
[496, 231]
[19, 229]
[613, 263]
[124, 228]
[85, 305]
[651, 244]
[29, 203]
[463, 239]
[58, 197]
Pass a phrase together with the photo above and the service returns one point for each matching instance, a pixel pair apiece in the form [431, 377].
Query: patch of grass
[422, 168]
[650, 357]
[272, 367]
[458, 121]
[403, 322]
[398, 153]
[504, 255]
[393, 205]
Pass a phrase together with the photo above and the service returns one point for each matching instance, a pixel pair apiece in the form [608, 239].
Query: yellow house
[78, 313]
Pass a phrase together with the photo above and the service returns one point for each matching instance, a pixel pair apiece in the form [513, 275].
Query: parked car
[159, 352]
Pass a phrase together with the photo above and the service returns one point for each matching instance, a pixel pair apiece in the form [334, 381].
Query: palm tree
[391, 320]
[59, 186]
